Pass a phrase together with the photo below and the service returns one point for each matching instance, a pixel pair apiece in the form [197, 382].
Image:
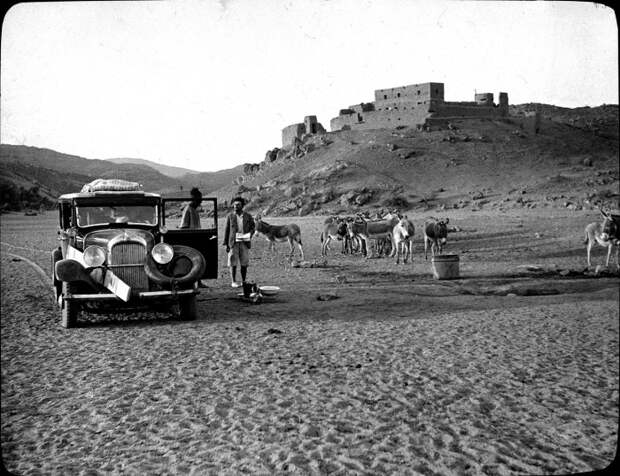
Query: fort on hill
[420, 105]
[417, 105]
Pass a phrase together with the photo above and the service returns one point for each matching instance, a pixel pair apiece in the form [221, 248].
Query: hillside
[479, 164]
[52, 173]
[48, 162]
[501, 164]
[168, 170]
[210, 181]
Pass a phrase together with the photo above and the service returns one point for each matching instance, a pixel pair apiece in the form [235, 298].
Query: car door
[202, 238]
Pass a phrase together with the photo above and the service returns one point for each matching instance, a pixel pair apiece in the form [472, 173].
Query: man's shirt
[190, 218]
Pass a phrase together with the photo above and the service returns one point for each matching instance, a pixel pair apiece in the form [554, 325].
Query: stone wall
[380, 119]
[454, 109]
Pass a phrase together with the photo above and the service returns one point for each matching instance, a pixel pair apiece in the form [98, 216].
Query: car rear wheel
[187, 308]
[70, 309]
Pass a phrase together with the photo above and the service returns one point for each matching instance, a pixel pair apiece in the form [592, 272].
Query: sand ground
[503, 371]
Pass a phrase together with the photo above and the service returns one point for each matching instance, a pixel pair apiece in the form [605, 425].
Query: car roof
[108, 194]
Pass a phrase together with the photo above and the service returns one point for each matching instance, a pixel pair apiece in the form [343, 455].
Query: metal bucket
[445, 266]
[248, 289]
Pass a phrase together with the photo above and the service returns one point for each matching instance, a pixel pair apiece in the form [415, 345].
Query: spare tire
[181, 252]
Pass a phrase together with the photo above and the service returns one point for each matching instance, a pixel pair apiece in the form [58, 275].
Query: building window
[436, 91]
[385, 96]
[398, 95]
[418, 92]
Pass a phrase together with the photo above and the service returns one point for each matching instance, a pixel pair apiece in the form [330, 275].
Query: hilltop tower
[503, 104]
[484, 99]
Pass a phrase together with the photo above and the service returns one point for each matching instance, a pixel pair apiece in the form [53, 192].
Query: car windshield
[102, 215]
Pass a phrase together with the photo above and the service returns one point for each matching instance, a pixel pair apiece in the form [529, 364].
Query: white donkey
[402, 237]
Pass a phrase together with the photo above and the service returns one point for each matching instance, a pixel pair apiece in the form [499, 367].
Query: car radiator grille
[127, 262]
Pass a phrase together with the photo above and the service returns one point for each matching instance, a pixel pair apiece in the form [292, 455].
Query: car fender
[70, 270]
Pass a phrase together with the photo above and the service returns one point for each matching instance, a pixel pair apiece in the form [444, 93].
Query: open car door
[202, 238]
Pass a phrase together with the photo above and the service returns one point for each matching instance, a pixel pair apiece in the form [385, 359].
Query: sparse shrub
[396, 202]
[363, 198]
[14, 198]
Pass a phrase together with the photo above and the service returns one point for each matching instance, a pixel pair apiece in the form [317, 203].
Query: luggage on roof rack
[111, 185]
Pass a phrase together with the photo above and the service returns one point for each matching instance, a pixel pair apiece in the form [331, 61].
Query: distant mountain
[53, 173]
[19, 158]
[211, 181]
[168, 170]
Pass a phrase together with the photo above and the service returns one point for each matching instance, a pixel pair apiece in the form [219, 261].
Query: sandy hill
[572, 162]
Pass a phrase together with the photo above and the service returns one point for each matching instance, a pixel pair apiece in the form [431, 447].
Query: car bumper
[143, 296]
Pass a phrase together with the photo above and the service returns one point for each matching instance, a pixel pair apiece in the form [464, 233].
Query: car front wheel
[70, 309]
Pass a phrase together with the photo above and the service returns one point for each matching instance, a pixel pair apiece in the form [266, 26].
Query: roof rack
[111, 185]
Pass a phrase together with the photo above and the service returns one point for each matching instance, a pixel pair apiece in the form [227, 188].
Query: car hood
[109, 237]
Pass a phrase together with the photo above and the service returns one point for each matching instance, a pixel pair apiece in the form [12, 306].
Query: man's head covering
[196, 194]
[240, 200]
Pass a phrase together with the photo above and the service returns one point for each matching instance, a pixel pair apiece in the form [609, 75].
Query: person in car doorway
[238, 231]
[190, 217]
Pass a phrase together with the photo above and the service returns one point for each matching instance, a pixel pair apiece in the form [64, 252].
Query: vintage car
[117, 252]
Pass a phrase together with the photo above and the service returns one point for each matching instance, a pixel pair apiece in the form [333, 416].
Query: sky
[208, 85]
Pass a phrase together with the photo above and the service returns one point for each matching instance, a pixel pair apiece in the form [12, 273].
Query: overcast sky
[208, 85]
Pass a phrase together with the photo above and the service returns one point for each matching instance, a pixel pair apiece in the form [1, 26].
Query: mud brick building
[420, 105]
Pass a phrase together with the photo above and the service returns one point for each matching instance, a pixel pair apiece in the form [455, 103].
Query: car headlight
[94, 256]
[162, 253]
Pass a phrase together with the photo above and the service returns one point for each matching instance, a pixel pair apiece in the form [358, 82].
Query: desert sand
[504, 371]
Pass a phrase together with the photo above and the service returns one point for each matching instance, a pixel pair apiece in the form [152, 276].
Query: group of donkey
[398, 230]
[394, 229]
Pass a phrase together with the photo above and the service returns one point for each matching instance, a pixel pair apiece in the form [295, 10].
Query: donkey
[280, 233]
[334, 228]
[402, 235]
[435, 234]
[367, 230]
[606, 234]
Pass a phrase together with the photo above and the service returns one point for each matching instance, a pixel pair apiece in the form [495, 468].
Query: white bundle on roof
[111, 185]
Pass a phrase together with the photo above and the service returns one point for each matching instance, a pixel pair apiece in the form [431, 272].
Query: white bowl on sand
[269, 290]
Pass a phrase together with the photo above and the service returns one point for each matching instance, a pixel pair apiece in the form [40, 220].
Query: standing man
[190, 217]
[238, 223]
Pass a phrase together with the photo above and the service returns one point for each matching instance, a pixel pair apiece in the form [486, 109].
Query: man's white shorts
[239, 255]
